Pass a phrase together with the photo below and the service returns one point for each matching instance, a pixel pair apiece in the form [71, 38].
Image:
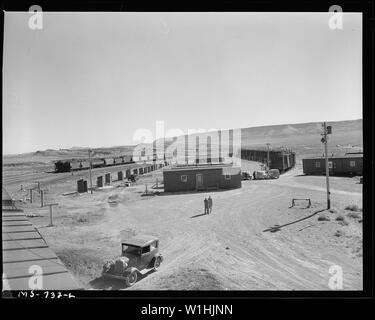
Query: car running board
[144, 271]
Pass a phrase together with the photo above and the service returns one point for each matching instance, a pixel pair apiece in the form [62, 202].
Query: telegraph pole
[326, 131]
[268, 156]
[90, 170]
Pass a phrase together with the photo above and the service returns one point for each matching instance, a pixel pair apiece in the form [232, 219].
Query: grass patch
[354, 215]
[88, 217]
[82, 219]
[353, 207]
[339, 233]
[342, 220]
[323, 217]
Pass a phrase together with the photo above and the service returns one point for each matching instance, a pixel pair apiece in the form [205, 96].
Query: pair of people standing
[207, 205]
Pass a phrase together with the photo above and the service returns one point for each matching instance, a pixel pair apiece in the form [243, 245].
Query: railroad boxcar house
[201, 177]
[350, 164]
[282, 160]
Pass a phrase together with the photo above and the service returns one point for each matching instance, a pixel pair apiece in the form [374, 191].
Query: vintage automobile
[140, 254]
[245, 175]
[273, 173]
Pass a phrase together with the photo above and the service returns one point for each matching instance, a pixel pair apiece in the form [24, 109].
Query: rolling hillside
[303, 138]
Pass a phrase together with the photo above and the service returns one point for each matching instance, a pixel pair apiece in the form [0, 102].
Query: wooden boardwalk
[25, 251]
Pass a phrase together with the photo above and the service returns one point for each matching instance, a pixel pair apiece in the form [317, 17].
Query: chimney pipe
[197, 149]
[209, 149]
[220, 160]
[186, 149]
[231, 143]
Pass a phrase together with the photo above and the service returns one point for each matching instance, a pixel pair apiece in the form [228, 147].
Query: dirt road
[226, 250]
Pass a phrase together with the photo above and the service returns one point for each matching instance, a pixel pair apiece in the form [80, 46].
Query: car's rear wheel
[157, 263]
[131, 278]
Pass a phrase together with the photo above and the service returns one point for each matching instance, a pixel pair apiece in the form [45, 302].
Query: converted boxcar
[282, 160]
[205, 177]
[343, 165]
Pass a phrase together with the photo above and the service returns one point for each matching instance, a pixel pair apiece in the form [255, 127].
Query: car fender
[131, 269]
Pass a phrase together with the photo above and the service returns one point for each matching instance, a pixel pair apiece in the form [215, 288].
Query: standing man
[210, 203]
[205, 206]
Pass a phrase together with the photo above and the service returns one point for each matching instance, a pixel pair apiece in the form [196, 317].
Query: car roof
[140, 240]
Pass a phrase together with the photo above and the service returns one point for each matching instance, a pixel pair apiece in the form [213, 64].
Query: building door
[199, 181]
[330, 167]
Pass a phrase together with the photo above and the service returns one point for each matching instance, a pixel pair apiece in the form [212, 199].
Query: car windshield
[130, 249]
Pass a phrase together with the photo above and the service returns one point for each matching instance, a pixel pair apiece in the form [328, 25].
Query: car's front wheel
[131, 278]
[157, 263]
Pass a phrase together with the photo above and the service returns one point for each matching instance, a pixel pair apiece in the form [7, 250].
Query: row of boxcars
[278, 159]
[84, 164]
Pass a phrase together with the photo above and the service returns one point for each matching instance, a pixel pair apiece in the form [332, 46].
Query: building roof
[24, 247]
[213, 166]
[231, 170]
[347, 156]
[6, 195]
[272, 150]
[140, 240]
[197, 168]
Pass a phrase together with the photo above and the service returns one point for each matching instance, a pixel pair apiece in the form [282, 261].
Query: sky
[94, 79]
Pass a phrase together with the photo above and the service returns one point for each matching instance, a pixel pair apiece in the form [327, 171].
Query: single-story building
[204, 177]
[350, 164]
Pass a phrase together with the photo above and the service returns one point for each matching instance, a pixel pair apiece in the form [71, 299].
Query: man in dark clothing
[206, 206]
[210, 204]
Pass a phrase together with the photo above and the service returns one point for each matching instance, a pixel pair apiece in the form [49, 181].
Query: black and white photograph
[182, 151]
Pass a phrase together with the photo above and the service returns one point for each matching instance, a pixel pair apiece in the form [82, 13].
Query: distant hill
[303, 138]
[49, 155]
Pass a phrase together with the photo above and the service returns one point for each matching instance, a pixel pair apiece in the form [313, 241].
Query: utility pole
[90, 170]
[326, 130]
[268, 156]
[50, 212]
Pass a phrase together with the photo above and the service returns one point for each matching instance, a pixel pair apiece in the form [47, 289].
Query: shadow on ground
[198, 215]
[277, 227]
[105, 283]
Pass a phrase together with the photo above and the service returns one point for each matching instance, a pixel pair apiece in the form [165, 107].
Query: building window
[184, 178]
[352, 163]
[330, 165]
[317, 164]
[227, 177]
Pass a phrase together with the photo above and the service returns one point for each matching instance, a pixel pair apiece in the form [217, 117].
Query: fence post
[50, 212]
[41, 198]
